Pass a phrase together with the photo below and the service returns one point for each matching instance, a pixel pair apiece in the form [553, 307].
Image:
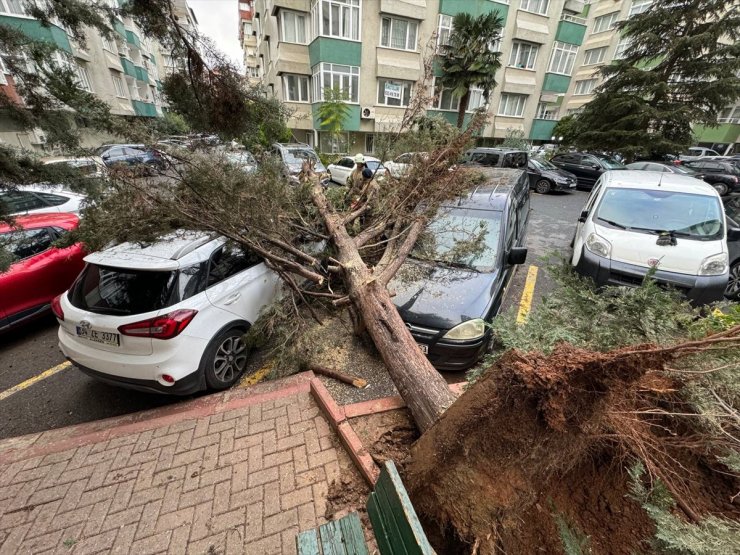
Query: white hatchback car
[342, 168]
[40, 199]
[168, 317]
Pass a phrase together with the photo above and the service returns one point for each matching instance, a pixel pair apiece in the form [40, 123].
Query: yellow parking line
[257, 377]
[30, 381]
[525, 305]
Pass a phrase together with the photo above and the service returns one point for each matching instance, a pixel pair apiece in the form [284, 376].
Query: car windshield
[611, 163]
[298, 155]
[244, 158]
[542, 165]
[461, 238]
[373, 165]
[683, 170]
[686, 215]
[106, 290]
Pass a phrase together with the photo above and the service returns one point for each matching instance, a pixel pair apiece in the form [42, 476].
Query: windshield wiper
[615, 224]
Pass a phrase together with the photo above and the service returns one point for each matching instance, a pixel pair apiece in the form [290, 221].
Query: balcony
[33, 29]
[291, 58]
[574, 6]
[141, 74]
[554, 82]
[336, 51]
[133, 38]
[571, 30]
[146, 109]
[542, 129]
[119, 28]
[295, 5]
[723, 133]
[413, 9]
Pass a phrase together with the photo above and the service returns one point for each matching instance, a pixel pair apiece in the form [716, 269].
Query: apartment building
[248, 41]
[124, 70]
[374, 50]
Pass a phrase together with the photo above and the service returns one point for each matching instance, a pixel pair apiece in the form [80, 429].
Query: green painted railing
[142, 74]
[119, 28]
[146, 109]
[542, 129]
[33, 29]
[723, 133]
[133, 38]
[352, 123]
[128, 67]
[335, 51]
[554, 82]
[473, 7]
[570, 32]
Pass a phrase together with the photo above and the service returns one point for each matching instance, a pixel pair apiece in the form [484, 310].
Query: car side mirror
[517, 255]
[595, 166]
[733, 234]
[583, 216]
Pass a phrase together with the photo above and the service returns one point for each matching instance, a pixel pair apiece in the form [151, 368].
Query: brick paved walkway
[243, 480]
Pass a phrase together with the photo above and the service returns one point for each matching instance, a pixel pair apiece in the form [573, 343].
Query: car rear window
[106, 290]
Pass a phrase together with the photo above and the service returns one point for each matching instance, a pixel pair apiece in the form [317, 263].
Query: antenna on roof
[660, 179]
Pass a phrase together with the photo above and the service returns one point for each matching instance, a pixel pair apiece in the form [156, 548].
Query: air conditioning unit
[367, 112]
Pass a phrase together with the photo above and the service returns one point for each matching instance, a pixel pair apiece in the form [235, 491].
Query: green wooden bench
[395, 524]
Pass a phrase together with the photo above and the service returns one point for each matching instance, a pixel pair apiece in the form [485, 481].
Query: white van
[637, 220]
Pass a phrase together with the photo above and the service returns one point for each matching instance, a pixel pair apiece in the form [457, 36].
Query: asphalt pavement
[68, 397]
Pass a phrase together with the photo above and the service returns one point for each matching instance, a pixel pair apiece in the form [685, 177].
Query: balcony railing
[573, 19]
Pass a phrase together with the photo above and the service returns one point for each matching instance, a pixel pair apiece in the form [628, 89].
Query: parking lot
[40, 391]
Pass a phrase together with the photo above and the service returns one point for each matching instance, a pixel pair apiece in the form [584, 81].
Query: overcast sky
[219, 20]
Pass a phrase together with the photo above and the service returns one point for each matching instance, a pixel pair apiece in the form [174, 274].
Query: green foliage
[334, 110]
[430, 133]
[574, 541]
[673, 536]
[516, 138]
[467, 59]
[569, 128]
[171, 123]
[680, 69]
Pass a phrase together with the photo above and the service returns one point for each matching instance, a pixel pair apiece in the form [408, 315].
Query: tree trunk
[464, 101]
[421, 386]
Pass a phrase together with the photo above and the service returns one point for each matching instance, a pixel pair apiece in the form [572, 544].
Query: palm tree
[468, 59]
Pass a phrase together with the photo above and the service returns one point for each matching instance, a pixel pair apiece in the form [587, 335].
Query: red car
[39, 271]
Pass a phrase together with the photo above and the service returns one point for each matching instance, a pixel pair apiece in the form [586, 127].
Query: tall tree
[334, 111]
[681, 68]
[468, 60]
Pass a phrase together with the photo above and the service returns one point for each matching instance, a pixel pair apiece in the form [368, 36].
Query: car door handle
[231, 299]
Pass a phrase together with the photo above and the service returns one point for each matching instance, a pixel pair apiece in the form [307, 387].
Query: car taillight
[166, 326]
[56, 307]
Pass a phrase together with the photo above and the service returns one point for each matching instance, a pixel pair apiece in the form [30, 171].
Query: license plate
[97, 336]
[424, 348]
[572, 185]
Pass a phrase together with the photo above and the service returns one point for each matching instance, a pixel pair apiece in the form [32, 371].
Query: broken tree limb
[340, 376]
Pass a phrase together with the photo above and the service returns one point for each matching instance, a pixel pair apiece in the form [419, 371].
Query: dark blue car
[134, 157]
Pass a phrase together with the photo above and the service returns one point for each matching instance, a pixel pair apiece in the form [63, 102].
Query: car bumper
[562, 186]
[190, 384]
[699, 289]
[450, 356]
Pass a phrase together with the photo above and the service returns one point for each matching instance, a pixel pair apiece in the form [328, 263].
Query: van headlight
[467, 331]
[714, 265]
[598, 245]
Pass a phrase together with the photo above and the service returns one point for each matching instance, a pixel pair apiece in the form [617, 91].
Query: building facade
[124, 70]
[374, 50]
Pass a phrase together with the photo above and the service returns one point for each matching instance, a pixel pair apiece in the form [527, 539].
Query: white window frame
[370, 144]
[606, 22]
[563, 58]
[5, 7]
[475, 101]
[597, 56]
[516, 101]
[300, 78]
[546, 111]
[409, 23]
[118, 80]
[3, 71]
[639, 6]
[444, 24]
[729, 115]
[109, 45]
[622, 46]
[354, 30]
[352, 80]
[584, 87]
[296, 26]
[531, 57]
[539, 7]
[83, 78]
[404, 85]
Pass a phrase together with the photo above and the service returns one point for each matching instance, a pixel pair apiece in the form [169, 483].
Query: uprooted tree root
[523, 434]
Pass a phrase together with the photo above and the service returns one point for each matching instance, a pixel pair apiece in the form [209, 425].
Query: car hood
[558, 174]
[440, 297]
[296, 168]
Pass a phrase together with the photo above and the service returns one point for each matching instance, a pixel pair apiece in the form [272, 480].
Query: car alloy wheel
[542, 186]
[721, 188]
[733, 285]
[230, 359]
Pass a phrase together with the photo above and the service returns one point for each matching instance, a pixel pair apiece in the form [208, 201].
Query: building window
[622, 46]
[594, 56]
[523, 55]
[12, 6]
[496, 45]
[639, 6]
[444, 29]
[535, 6]
[476, 100]
[563, 58]
[605, 22]
[83, 78]
[584, 86]
[336, 18]
[293, 27]
[118, 85]
[330, 76]
[512, 105]
[369, 143]
[444, 99]
[336, 143]
[394, 93]
[109, 45]
[398, 33]
[729, 115]
[295, 88]
[3, 71]
[247, 29]
[254, 72]
[546, 111]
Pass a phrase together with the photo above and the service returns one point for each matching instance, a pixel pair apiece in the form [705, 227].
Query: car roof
[44, 188]
[639, 179]
[170, 252]
[493, 193]
[495, 149]
[53, 219]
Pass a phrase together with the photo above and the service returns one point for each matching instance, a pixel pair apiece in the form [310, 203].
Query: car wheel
[721, 188]
[225, 359]
[732, 291]
[542, 186]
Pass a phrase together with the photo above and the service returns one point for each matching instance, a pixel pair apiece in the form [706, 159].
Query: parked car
[242, 159]
[39, 199]
[545, 177]
[133, 157]
[665, 167]
[732, 211]
[587, 167]
[634, 221]
[496, 157]
[447, 294]
[696, 152]
[168, 317]
[39, 270]
[401, 164]
[88, 166]
[722, 175]
[294, 154]
[340, 170]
